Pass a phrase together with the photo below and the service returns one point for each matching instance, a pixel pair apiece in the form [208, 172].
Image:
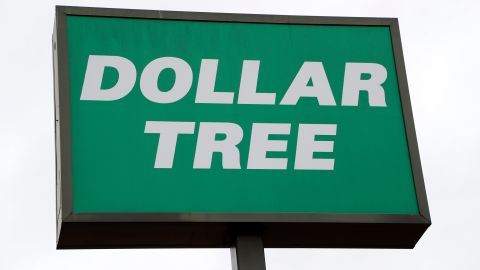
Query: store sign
[295, 126]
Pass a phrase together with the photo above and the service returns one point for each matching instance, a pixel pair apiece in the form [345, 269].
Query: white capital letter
[320, 87]
[181, 86]
[247, 93]
[207, 145]
[206, 84]
[127, 74]
[168, 139]
[353, 84]
[306, 146]
[260, 145]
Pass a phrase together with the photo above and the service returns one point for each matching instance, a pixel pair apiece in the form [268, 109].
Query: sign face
[218, 122]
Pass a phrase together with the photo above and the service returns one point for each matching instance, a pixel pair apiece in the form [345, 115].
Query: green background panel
[113, 159]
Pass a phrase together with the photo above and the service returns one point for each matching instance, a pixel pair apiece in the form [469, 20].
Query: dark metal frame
[132, 230]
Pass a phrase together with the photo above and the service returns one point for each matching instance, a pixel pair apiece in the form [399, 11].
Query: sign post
[248, 253]
[183, 129]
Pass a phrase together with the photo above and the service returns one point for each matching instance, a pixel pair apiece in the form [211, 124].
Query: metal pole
[248, 253]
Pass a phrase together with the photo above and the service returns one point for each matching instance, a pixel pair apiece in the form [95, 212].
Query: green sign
[217, 116]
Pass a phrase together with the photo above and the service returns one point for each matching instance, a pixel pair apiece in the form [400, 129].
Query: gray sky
[441, 41]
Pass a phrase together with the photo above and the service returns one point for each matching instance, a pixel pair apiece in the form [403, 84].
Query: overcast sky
[441, 41]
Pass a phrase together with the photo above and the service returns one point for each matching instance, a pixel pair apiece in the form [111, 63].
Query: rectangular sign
[182, 129]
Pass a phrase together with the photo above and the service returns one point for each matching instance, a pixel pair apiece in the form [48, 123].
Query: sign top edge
[226, 17]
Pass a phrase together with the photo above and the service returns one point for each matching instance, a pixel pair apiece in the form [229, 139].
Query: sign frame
[213, 230]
